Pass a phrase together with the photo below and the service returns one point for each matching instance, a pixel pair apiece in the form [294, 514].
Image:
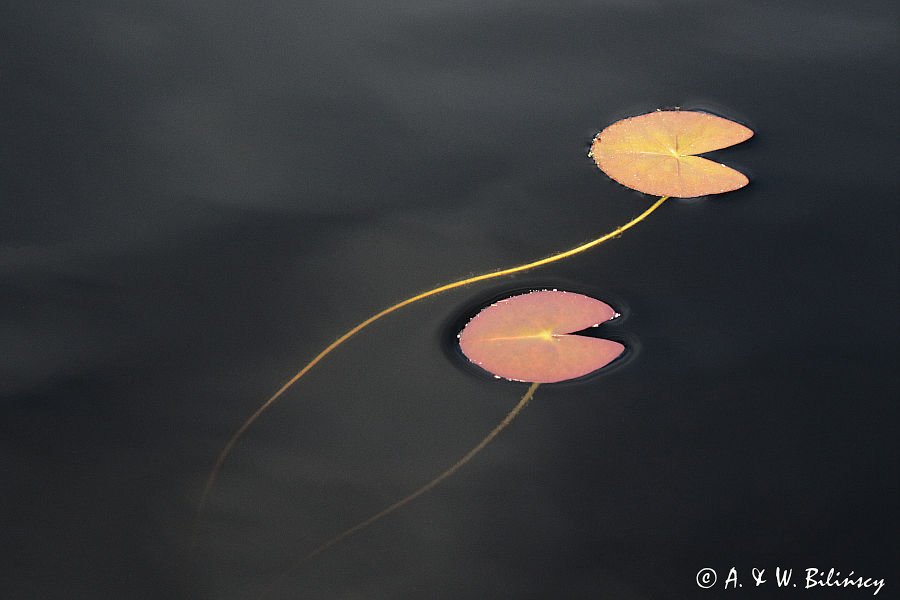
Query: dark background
[199, 196]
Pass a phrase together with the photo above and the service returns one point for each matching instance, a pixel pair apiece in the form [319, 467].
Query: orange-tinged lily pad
[527, 337]
[656, 153]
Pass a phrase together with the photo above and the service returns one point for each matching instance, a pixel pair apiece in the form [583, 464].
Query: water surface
[200, 196]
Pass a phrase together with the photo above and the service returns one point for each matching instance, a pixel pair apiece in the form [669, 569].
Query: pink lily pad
[528, 337]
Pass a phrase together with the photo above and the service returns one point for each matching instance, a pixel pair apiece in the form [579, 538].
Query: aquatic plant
[529, 337]
[657, 153]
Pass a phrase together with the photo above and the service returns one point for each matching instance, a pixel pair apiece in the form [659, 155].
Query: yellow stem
[232, 441]
[512, 414]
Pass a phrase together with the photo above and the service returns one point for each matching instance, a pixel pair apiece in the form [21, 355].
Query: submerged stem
[512, 414]
[232, 441]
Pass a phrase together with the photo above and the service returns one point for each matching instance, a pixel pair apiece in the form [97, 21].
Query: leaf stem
[468, 456]
[236, 436]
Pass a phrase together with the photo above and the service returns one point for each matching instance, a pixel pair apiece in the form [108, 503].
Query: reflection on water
[203, 196]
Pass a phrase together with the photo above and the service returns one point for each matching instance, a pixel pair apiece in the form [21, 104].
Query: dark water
[198, 197]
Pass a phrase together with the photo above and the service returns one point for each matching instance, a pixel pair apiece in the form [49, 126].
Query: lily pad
[528, 337]
[656, 153]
